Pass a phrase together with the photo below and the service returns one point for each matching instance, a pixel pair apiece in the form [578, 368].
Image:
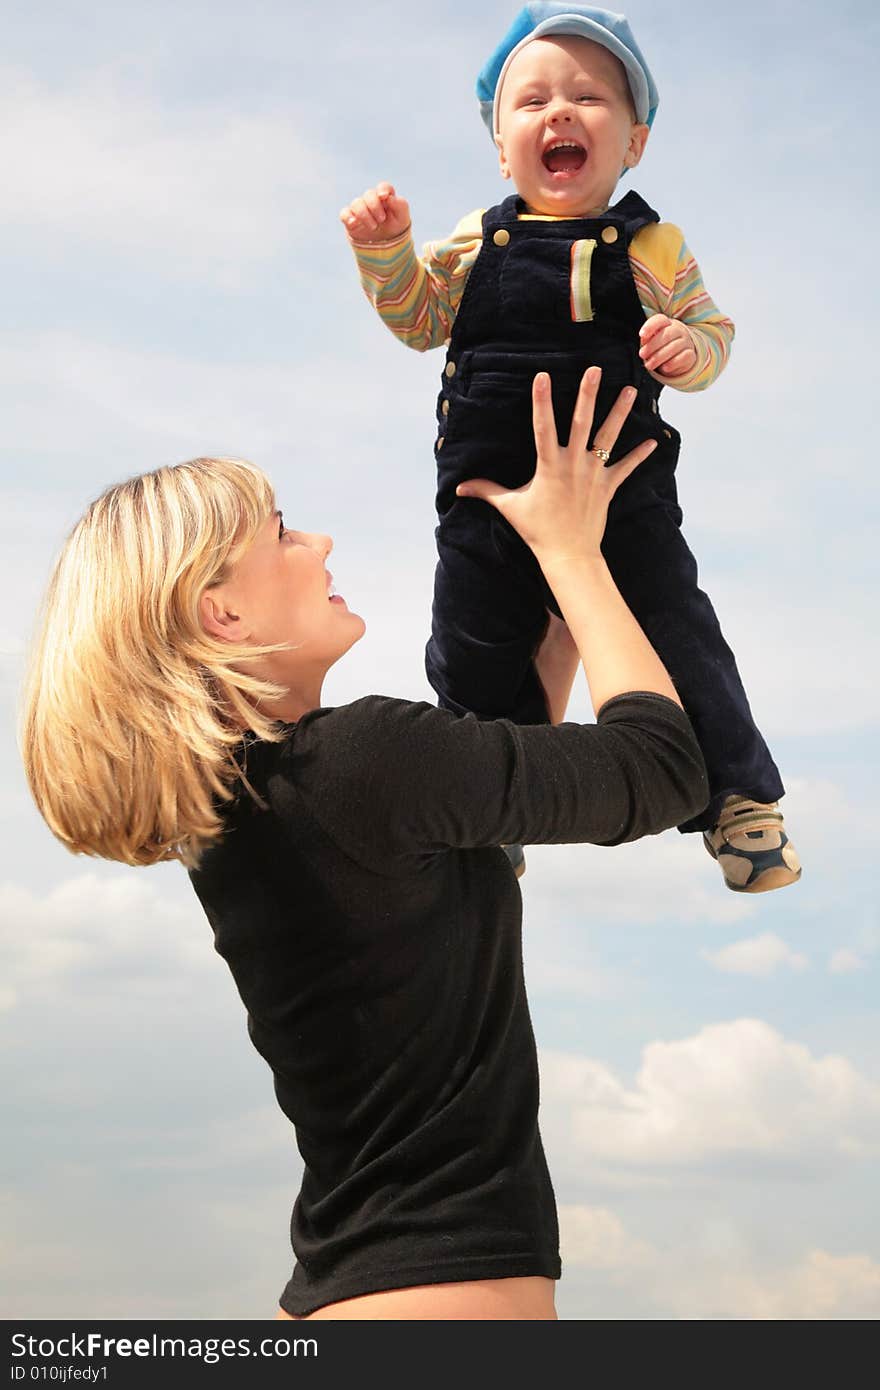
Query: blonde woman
[348, 858]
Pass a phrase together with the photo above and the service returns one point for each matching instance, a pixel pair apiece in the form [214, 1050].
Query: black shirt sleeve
[408, 778]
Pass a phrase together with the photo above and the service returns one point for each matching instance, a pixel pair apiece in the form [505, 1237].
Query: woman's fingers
[584, 407]
[543, 420]
[544, 423]
[484, 489]
[606, 438]
[620, 471]
[606, 434]
[547, 440]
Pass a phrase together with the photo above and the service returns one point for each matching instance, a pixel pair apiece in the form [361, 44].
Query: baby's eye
[587, 96]
[533, 101]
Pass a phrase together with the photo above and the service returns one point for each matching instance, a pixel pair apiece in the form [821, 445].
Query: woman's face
[279, 591]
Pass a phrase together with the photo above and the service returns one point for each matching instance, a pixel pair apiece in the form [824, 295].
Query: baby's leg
[657, 575]
[488, 618]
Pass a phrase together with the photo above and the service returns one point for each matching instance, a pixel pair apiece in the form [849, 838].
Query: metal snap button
[501, 237]
[609, 235]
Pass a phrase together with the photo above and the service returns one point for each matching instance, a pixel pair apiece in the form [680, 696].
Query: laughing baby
[559, 277]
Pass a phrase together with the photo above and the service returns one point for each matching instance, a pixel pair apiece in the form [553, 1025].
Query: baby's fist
[667, 346]
[377, 215]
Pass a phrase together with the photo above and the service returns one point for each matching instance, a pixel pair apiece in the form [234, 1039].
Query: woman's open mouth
[564, 158]
[332, 596]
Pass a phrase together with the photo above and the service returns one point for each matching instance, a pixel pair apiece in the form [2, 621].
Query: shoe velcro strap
[750, 820]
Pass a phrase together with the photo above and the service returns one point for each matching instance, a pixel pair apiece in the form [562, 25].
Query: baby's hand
[378, 215]
[667, 346]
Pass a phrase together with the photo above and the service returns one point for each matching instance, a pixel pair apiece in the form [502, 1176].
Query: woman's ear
[218, 618]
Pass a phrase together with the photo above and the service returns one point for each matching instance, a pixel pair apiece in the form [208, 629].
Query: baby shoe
[516, 857]
[752, 849]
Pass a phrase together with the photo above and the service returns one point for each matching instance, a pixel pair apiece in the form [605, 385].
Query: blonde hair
[132, 713]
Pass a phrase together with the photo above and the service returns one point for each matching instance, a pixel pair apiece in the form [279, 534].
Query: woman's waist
[528, 1298]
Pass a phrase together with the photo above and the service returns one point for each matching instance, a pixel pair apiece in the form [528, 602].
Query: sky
[176, 283]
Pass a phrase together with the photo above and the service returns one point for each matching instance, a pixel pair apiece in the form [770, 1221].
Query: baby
[557, 279]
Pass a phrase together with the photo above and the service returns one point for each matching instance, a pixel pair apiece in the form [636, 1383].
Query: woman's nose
[322, 545]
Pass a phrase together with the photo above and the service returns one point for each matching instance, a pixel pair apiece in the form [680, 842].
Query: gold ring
[603, 455]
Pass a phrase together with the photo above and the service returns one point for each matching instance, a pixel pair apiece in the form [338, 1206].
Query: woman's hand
[561, 513]
[377, 215]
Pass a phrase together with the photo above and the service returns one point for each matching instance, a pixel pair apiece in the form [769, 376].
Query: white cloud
[81, 1248]
[796, 653]
[845, 962]
[595, 1237]
[734, 1089]
[833, 1286]
[124, 397]
[550, 972]
[662, 878]
[670, 877]
[70, 393]
[820, 816]
[95, 926]
[818, 803]
[201, 193]
[102, 412]
[222, 1142]
[756, 955]
[821, 1286]
[709, 1273]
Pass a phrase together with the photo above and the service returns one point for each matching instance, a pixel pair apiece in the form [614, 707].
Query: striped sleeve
[417, 298]
[668, 281]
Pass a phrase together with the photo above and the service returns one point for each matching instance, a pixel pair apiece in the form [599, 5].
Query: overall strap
[631, 214]
[497, 216]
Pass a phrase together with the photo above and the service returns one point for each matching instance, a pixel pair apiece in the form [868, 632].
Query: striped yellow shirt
[418, 297]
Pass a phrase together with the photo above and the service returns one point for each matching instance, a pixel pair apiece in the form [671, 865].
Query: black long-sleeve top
[372, 926]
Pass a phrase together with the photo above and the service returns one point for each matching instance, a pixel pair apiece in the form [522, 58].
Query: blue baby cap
[542, 18]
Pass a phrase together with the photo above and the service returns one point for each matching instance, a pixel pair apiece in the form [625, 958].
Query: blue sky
[177, 283]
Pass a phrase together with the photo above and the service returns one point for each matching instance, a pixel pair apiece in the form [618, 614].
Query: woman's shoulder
[354, 769]
[366, 716]
[356, 734]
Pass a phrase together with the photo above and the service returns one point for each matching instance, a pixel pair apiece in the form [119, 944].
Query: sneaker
[517, 858]
[751, 847]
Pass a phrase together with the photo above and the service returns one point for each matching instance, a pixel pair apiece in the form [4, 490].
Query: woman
[348, 858]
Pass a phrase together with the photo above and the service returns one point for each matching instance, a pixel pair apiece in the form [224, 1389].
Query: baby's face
[566, 126]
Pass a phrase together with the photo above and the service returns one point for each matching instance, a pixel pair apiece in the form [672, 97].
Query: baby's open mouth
[564, 157]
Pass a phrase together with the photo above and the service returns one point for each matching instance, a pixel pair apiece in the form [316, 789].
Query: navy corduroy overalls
[490, 598]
